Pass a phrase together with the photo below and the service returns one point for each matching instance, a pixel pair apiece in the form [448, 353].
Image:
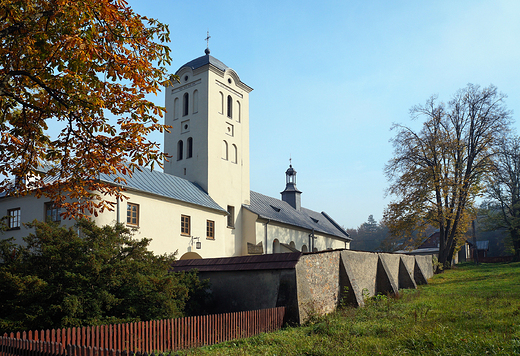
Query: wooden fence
[146, 336]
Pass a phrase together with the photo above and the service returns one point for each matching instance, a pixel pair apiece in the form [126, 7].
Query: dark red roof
[240, 263]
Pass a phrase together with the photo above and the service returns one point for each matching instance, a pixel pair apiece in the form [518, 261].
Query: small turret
[291, 194]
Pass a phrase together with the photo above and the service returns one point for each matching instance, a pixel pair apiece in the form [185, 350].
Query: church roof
[202, 61]
[165, 185]
[280, 211]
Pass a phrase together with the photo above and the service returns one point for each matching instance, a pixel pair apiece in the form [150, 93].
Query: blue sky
[331, 77]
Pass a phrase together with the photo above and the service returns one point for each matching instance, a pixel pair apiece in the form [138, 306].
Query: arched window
[195, 101]
[233, 154]
[304, 248]
[185, 104]
[179, 150]
[238, 111]
[292, 245]
[221, 111]
[276, 246]
[176, 108]
[189, 148]
[229, 106]
[224, 150]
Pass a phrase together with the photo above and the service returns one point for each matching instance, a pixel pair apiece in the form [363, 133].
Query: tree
[369, 236]
[437, 172]
[503, 191]
[75, 64]
[103, 275]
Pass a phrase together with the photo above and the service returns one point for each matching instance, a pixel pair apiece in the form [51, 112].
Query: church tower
[209, 140]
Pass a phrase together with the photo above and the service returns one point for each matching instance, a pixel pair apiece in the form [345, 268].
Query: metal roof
[202, 61]
[165, 185]
[280, 211]
[240, 263]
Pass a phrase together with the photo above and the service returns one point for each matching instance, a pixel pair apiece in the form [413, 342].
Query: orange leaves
[73, 63]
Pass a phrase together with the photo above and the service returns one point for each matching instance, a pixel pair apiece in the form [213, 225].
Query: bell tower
[208, 142]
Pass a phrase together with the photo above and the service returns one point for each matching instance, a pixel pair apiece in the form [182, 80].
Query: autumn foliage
[437, 172]
[85, 66]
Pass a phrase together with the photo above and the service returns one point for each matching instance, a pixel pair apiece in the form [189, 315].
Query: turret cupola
[291, 194]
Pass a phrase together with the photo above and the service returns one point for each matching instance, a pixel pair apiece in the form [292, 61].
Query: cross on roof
[207, 40]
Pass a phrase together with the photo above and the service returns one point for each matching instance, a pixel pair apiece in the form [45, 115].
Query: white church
[201, 206]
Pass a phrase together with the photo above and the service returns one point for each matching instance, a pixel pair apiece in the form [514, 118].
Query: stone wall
[307, 284]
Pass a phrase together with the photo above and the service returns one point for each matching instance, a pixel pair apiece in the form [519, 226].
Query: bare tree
[437, 172]
[503, 191]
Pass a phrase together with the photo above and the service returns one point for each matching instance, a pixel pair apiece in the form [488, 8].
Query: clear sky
[330, 78]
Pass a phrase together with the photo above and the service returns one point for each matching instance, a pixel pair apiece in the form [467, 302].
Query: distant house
[430, 246]
[201, 205]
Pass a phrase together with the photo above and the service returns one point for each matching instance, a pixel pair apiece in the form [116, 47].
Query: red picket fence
[157, 335]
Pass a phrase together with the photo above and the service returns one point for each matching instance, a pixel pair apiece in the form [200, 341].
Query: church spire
[291, 194]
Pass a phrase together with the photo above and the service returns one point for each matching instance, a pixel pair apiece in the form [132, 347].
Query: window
[238, 111]
[195, 101]
[132, 214]
[52, 212]
[185, 225]
[210, 229]
[224, 150]
[14, 218]
[185, 104]
[221, 111]
[233, 154]
[176, 109]
[189, 148]
[180, 147]
[231, 216]
[229, 106]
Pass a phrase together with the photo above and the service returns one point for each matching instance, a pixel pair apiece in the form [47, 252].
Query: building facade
[201, 205]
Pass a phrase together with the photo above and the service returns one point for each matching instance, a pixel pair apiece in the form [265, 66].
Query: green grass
[469, 310]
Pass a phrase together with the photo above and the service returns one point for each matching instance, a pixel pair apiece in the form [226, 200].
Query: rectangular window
[231, 216]
[52, 212]
[132, 214]
[210, 229]
[185, 225]
[14, 218]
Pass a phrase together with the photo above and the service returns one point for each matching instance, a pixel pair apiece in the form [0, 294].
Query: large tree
[74, 65]
[503, 191]
[437, 172]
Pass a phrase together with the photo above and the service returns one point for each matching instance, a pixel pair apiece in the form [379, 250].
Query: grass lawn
[469, 310]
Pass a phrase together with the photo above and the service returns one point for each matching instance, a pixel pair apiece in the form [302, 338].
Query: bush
[58, 279]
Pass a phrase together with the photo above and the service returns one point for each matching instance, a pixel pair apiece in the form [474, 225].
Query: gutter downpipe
[265, 237]
[118, 219]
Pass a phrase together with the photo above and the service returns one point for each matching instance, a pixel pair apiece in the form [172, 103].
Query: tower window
[233, 154]
[229, 106]
[221, 111]
[185, 104]
[224, 150]
[176, 109]
[238, 111]
[195, 101]
[189, 148]
[180, 147]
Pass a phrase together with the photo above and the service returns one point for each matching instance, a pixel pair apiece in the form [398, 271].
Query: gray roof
[165, 185]
[483, 245]
[202, 61]
[280, 211]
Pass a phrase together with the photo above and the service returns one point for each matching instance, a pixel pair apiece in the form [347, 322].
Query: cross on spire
[207, 40]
